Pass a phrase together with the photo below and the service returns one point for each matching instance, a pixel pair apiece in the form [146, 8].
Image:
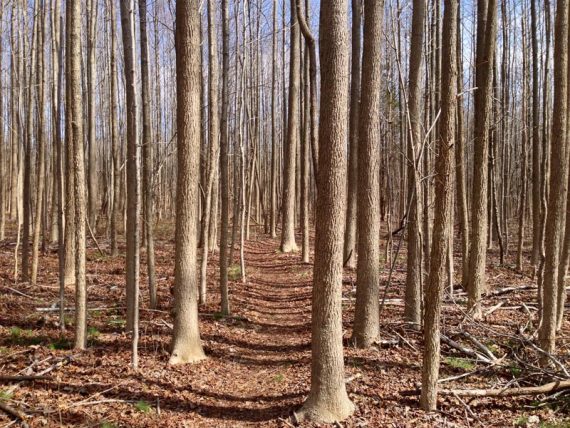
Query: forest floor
[258, 367]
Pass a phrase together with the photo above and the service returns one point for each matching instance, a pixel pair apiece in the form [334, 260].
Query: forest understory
[258, 368]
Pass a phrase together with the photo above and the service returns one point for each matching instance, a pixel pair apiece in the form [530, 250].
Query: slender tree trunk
[133, 187]
[214, 135]
[41, 149]
[224, 166]
[486, 31]
[413, 299]
[288, 243]
[536, 144]
[443, 209]
[92, 10]
[74, 116]
[367, 309]
[353, 175]
[115, 208]
[558, 182]
[147, 156]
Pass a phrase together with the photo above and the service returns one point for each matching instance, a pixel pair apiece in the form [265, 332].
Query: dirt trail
[258, 366]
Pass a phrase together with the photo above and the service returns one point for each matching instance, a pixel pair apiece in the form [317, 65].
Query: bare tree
[443, 209]
[288, 243]
[147, 152]
[74, 137]
[133, 180]
[558, 183]
[328, 400]
[486, 31]
[186, 346]
[214, 136]
[413, 300]
[353, 173]
[367, 311]
[224, 166]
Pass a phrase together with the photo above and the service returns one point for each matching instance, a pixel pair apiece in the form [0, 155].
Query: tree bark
[558, 182]
[367, 310]
[413, 298]
[288, 243]
[443, 209]
[486, 31]
[350, 244]
[74, 117]
[133, 179]
[186, 346]
[328, 400]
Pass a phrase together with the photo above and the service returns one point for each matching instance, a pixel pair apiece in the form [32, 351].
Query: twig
[14, 413]
[22, 378]
[101, 252]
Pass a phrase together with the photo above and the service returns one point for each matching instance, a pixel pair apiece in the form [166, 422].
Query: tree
[186, 346]
[41, 149]
[443, 209]
[353, 172]
[558, 183]
[147, 156]
[367, 311]
[92, 10]
[116, 173]
[273, 208]
[214, 136]
[486, 31]
[133, 186]
[224, 166]
[413, 300]
[74, 137]
[288, 243]
[328, 400]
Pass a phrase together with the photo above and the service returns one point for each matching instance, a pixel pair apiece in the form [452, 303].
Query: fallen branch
[493, 309]
[22, 378]
[480, 346]
[504, 392]
[14, 413]
[506, 290]
[467, 351]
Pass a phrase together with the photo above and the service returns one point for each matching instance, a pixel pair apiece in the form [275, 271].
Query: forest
[280, 213]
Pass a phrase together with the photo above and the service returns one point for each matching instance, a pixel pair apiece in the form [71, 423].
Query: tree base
[289, 247]
[187, 355]
[326, 411]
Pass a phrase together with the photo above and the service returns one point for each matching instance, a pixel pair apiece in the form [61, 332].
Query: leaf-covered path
[258, 366]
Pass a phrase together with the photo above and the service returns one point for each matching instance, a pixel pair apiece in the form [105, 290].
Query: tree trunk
[328, 400]
[288, 243]
[367, 309]
[214, 135]
[186, 346]
[224, 166]
[558, 182]
[486, 31]
[133, 188]
[115, 208]
[353, 173]
[147, 145]
[413, 298]
[74, 117]
[92, 10]
[443, 209]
